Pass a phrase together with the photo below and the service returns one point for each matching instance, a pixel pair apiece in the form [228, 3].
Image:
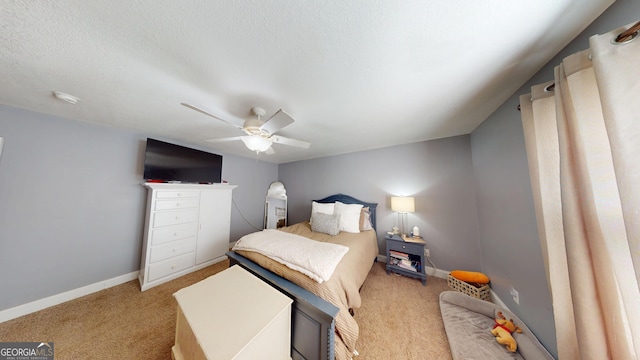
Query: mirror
[275, 207]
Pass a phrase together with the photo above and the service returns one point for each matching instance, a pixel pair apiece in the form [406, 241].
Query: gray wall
[72, 207]
[65, 221]
[437, 173]
[253, 178]
[511, 254]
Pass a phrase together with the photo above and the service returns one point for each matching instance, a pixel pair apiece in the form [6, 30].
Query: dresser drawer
[409, 248]
[172, 249]
[177, 194]
[174, 204]
[175, 217]
[172, 233]
[170, 266]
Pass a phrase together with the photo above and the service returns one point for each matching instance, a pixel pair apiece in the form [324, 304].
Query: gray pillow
[325, 223]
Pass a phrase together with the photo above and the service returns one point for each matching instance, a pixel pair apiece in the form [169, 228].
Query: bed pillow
[349, 216]
[325, 223]
[365, 219]
[323, 208]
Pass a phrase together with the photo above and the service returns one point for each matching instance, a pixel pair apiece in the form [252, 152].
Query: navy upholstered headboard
[346, 199]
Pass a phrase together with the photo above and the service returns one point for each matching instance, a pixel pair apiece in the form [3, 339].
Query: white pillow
[365, 219]
[366, 222]
[349, 216]
[323, 208]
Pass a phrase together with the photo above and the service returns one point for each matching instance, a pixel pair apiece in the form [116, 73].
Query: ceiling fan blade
[276, 122]
[291, 142]
[192, 107]
[221, 140]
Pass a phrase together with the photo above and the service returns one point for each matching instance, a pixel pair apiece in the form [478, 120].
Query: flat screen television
[166, 162]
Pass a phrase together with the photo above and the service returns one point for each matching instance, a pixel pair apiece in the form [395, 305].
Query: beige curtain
[582, 133]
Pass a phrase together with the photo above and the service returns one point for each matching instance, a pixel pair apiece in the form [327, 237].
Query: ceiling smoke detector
[66, 97]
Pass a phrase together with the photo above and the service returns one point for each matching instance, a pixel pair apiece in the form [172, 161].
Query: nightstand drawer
[405, 247]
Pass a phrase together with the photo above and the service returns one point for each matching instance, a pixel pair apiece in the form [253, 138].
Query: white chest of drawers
[187, 228]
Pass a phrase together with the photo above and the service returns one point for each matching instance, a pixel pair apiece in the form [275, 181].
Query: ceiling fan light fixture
[260, 135]
[256, 143]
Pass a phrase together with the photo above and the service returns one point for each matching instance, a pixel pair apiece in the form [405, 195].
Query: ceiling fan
[260, 135]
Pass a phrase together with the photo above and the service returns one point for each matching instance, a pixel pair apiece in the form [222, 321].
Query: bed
[322, 323]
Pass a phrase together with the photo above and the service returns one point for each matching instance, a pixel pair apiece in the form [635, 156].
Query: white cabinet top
[227, 310]
[167, 186]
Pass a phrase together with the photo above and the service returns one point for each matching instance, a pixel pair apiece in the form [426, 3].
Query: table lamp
[402, 205]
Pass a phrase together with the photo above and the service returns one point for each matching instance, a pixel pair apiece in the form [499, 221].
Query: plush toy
[503, 329]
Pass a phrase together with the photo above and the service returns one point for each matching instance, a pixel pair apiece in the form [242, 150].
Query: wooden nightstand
[405, 258]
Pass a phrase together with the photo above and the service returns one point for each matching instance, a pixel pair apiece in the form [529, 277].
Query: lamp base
[401, 219]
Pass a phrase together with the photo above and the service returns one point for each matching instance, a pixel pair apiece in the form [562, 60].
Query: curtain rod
[628, 35]
[625, 36]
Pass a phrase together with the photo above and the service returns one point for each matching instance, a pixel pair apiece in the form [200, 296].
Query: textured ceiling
[355, 75]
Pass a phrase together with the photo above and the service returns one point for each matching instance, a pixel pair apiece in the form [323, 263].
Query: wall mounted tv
[165, 162]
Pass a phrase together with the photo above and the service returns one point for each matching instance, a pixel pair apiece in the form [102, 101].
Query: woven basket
[481, 292]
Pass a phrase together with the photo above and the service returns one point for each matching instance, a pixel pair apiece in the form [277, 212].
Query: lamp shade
[256, 143]
[403, 204]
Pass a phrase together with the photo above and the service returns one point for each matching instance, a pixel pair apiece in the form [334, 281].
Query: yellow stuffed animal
[503, 329]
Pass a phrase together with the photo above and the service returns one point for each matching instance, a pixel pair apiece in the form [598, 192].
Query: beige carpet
[399, 319]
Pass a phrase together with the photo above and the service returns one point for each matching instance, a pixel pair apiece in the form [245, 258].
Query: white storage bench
[232, 315]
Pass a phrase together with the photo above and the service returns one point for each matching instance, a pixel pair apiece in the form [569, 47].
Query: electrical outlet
[515, 295]
[427, 252]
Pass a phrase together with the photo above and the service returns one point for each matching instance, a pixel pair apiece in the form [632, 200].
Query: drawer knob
[178, 204]
[175, 234]
[174, 250]
[404, 247]
[173, 266]
[177, 217]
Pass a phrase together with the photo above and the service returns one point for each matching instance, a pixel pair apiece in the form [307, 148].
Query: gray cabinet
[405, 258]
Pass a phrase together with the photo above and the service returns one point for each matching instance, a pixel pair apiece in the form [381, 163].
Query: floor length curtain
[582, 133]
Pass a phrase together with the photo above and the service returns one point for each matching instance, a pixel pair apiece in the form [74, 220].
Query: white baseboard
[496, 300]
[28, 308]
[437, 272]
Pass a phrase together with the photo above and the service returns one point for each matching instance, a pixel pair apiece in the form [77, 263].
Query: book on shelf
[398, 254]
[405, 261]
[408, 265]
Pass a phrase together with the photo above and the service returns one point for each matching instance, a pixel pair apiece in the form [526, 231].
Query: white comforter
[313, 258]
